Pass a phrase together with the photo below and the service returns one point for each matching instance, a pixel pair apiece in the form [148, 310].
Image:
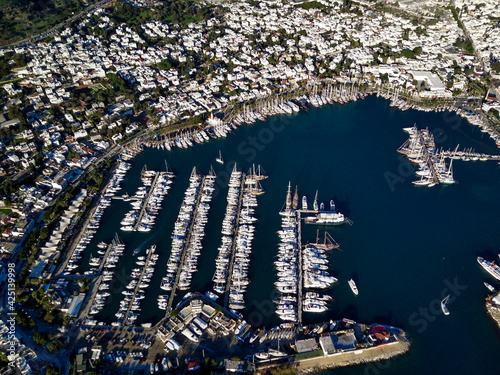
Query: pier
[299, 289]
[428, 158]
[468, 156]
[138, 286]
[184, 250]
[105, 256]
[233, 246]
[146, 200]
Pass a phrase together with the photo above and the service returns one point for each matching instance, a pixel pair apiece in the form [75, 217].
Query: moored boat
[326, 218]
[490, 267]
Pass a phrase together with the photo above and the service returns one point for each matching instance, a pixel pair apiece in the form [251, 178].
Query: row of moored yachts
[243, 248]
[134, 291]
[146, 204]
[229, 225]
[94, 220]
[200, 219]
[315, 276]
[287, 265]
[187, 139]
[189, 230]
[420, 149]
[314, 268]
[114, 255]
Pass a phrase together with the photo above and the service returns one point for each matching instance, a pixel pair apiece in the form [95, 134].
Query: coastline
[357, 357]
[373, 356]
[493, 310]
[331, 92]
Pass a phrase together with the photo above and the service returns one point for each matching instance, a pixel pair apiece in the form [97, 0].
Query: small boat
[262, 355]
[322, 206]
[443, 305]
[255, 336]
[490, 287]
[353, 286]
[304, 203]
[219, 159]
[136, 251]
[332, 205]
[211, 295]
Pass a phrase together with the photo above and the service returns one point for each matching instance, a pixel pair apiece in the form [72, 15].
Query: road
[51, 31]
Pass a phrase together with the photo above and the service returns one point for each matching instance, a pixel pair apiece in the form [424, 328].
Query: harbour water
[408, 246]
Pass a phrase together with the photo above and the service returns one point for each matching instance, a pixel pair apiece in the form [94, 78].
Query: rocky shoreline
[493, 312]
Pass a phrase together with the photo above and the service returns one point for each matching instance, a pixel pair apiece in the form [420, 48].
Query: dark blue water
[408, 246]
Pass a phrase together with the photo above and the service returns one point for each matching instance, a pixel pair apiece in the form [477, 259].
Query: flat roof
[307, 345]
[326, 344]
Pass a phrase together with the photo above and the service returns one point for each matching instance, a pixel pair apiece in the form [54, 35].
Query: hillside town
[111, 79]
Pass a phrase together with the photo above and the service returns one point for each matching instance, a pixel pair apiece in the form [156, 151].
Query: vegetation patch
[24, 18]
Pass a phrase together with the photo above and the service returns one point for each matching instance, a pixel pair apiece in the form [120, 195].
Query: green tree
[40, 338]
[164, 65]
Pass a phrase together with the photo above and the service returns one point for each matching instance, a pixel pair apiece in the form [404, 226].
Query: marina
[136, 289]
[301, 267]
[420, 149]
[92, 224]
[357, 260]
[146, 202]
[181, 238]
[242, 241]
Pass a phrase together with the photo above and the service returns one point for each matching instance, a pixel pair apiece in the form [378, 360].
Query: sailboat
[315, 203]
[219, 159]
[328, 244]
[443, 305]
[288, 198]
[295, 203]
[276, 352]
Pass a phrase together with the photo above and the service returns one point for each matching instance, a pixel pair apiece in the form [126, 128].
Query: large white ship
[490, 267]
[326, 218]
